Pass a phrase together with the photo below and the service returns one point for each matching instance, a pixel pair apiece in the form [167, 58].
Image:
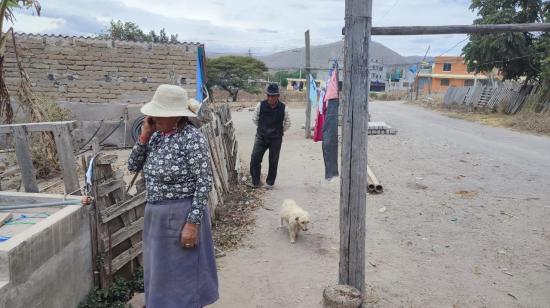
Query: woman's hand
[147, 129]
[189, 237]
[86, 200]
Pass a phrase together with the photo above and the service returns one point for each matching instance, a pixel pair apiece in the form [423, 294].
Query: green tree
[129, 31]
[514, 54]
[235, 73]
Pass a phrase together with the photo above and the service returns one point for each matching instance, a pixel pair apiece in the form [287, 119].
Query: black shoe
[254, 186]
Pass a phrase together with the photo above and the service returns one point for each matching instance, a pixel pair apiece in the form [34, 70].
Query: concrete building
[450, 72]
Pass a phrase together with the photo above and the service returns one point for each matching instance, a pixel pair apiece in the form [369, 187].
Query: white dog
[296, 218]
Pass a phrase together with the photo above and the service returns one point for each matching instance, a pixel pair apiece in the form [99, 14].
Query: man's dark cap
[272, 89]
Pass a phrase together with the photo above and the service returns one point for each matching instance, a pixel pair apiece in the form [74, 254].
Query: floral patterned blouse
[175, 166]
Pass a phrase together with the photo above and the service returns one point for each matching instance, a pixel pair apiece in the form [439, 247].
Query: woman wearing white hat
[178, 252]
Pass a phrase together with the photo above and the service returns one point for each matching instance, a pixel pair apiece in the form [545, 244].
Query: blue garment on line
[312, 91]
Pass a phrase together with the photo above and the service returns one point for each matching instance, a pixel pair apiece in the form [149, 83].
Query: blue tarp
[200, 75]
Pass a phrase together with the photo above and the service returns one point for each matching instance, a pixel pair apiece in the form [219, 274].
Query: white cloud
[34, 24]
[264, 26]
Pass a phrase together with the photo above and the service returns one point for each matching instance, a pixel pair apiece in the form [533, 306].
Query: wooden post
[418, 73]
[353, 192]
[24, 158]
[67, 160]
[308, 73]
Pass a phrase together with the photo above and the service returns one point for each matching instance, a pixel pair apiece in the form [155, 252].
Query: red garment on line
[319, 122]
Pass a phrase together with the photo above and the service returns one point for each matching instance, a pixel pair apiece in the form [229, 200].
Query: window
[468, 83]
[406, 84]
[447, 67]
[445, 82]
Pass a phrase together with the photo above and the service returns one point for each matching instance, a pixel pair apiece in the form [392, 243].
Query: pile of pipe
[374, 186]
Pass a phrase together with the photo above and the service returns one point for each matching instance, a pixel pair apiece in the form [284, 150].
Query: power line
[388, 11]
[441, 55]
[515, 58]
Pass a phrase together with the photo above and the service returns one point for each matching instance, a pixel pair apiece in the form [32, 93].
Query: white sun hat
[171, 101]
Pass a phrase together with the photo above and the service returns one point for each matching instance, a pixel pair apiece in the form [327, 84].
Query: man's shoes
[269, 186]
[253, 186]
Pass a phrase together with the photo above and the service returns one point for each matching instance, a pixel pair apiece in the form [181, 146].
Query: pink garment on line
[332, 86]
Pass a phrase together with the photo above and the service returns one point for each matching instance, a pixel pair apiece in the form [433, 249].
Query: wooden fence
[117, 217]
[510, 98]
[61, 133]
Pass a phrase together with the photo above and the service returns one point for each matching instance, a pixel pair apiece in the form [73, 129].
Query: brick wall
[89, 70]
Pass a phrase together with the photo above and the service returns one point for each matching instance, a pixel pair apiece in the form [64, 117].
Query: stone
[342, 296]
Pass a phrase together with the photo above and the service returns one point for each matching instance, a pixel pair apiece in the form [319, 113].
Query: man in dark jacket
[272, 119]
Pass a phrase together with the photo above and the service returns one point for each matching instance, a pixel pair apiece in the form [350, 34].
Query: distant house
[449, 72]
[377, 76]
[300, 84]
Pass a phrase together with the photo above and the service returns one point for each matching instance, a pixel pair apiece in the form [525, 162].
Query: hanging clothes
[330, 126]
[320, 119]
[312, 89]
[332, 86]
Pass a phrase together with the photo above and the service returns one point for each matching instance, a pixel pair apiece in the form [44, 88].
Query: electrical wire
[388, 11]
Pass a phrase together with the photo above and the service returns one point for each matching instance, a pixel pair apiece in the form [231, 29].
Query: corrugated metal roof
[94, 38]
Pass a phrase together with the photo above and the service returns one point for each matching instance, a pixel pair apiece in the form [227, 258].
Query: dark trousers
[330, 140]
[262, 144]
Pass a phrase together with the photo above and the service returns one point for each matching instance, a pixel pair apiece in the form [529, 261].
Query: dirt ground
[465, 221]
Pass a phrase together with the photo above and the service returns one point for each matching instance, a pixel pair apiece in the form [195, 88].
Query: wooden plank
[106, 159]
[125, 233]
[4, 217]
[24, 159]
[123, 258]
[216, 157]
[116, 210]
[461, 29]
[353, 194]
[114, 183]
[37, 127]
[67, 160]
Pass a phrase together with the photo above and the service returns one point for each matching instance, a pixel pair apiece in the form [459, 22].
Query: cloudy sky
[263, 26]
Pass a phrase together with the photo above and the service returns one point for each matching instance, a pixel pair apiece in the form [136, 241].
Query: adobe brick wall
[72, 69]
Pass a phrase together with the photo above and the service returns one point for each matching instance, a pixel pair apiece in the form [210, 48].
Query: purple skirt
[175, 277]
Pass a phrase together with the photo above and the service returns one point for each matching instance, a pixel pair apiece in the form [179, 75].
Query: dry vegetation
[236, 217]
[525, 121]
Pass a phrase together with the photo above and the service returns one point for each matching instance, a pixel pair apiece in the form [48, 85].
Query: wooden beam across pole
[460, 29]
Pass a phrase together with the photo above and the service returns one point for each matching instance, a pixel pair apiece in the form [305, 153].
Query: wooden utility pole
[353, 193]
[308, 74]
[418, 73]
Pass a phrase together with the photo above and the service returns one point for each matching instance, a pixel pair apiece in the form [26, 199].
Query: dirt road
[466, 221]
